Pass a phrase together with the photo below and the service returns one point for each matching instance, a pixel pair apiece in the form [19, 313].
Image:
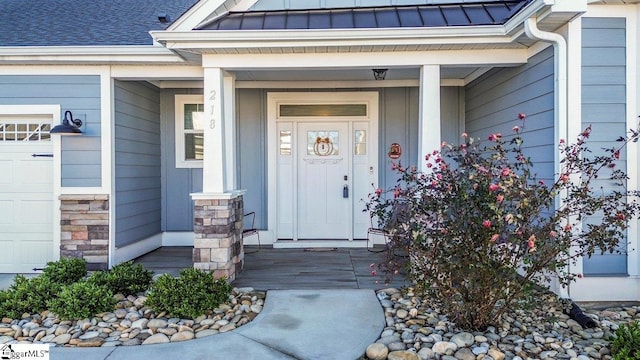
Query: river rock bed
[416, 331]
[131, 323]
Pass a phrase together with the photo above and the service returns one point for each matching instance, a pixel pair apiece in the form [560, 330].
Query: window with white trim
[189, 121]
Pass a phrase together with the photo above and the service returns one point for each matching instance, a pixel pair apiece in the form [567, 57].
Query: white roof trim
[204, 9]
[88, 54]
[331, 37]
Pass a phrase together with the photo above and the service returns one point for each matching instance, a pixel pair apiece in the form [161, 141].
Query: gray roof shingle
[84, 22]
[462, 14]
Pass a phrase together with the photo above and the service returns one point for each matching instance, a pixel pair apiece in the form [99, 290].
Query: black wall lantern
[69, 126]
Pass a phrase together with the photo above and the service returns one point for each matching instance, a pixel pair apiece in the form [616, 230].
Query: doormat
[320, 249]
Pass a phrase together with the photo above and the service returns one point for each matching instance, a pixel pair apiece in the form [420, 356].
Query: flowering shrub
[480, 228]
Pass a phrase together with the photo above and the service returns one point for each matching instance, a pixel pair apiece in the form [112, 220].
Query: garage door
[26, 194]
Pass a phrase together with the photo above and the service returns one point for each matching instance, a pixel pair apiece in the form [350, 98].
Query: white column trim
[213, 172]
[429, 113]
[230, 140]
[633, 55]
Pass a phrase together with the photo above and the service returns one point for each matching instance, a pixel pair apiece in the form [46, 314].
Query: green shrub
[27, 296]
[81, 300]
[192, 294]
[66, 270]
[625, 344]
[126, 278]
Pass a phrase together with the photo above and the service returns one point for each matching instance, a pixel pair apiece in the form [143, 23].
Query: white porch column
[229, 97]
[429, 115]
[214, 172]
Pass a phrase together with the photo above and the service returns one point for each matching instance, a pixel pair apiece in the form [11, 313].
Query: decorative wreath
[323, 150]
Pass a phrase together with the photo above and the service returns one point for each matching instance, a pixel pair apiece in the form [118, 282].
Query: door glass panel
[285, 142]
[323, 143]
[360, 142]
[323, 110]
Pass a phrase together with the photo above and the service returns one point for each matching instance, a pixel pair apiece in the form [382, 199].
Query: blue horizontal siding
[81, 155]
[604, 108]
[494, 100]
[137, 162]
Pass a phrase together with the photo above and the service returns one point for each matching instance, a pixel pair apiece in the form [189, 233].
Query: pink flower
[486, 223]
[374, 273]
[586, 132]
[465, 135]
[611, 166]
[564, 178]
[567, 227]
[435, 152]
[522, 116]
[494, 187]
[495, 237]
[580, 276]
[394, 166]
[427, 157]
[378, 191]
[429, 165]
[508, 217]
[562, 141]
[444, 144]
[475, 186]
[396, 193]
[620, 216]
[516, 128]
[493, 137]
[439, 176]
[434, 183]
[499, 198]
[443, 166]
[506, 172]
[616, 154]
[541, 182]
[552, 234]
[372, 265]
[531, 245]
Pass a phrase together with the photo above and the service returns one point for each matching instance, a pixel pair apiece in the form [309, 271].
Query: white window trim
[180, 101]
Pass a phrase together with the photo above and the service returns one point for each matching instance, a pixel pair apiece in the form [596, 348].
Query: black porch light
[379, 74]
[69, 126]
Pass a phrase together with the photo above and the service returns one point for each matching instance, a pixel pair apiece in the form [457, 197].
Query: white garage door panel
[26, 206]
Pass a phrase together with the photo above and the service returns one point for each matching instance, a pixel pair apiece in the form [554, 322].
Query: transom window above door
[189, 120]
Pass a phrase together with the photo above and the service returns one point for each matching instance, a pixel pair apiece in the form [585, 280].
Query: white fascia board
[488, 57]
[157, 72]
[88, 54]
[215, 39]
[195, 15]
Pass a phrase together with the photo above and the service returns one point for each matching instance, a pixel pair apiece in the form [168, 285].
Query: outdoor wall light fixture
[69, 126]
[379, 74]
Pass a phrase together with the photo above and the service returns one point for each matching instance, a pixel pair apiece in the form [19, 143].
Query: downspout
[560, 89]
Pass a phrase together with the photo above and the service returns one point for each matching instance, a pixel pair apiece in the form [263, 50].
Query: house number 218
[212, 121]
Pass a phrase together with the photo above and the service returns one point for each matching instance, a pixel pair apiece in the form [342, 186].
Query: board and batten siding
[604, 108]
[80, 94]
[493, 101]
[177, 183]
[137, 162]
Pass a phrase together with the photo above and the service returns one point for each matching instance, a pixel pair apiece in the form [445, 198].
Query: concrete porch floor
[288, 269]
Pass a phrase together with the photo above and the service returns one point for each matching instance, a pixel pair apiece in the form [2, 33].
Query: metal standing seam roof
[463, 14]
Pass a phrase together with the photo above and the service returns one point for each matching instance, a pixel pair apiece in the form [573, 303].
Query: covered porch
[288, 269]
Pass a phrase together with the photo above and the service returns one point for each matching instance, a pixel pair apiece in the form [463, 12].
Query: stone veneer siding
[84, 221]
[218, 236]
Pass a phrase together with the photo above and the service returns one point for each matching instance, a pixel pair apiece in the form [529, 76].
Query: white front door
[323, 156]
[323, 180]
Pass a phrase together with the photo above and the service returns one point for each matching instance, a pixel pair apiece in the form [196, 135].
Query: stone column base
[84, 221]
[218, 234]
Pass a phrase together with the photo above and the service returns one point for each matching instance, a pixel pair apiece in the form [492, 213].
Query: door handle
[345, 191]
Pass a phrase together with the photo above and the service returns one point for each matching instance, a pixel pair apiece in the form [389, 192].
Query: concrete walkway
[294, 324]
